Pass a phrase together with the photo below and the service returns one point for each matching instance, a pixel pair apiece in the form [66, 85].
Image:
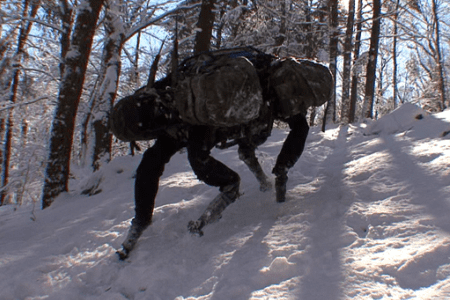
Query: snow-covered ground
[367, 217]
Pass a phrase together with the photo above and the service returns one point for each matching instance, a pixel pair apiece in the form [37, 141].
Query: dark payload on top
[223, 88]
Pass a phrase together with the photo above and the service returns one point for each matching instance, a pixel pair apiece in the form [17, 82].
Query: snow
[366, 217]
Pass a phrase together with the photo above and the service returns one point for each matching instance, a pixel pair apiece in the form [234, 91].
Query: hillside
[366, 217]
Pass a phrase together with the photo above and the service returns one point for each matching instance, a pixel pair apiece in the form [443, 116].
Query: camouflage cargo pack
[298, 85]
[218, 90]
[139, 117]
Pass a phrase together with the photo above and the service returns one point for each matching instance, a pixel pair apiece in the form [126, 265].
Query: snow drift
[366, 217]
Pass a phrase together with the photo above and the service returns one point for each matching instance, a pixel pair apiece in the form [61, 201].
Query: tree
[17, 59]
[205, 24]
[330, 110]
[61, 140]
[115, 38]
[65, 11]
[354, 82]
[372, 61]
[422, 32]
[347, 62]
[394, 54]
[438, 54]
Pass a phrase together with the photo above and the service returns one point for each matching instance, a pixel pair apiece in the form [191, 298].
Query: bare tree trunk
[308, 28]
[310, 48]
[5, 44]
[372, 64]
[312, 116]
[279, 40]
[354, 84]
[111, 57]
[379, 90]
[334, 50]
[347, 62]
[6, 41]
[135, 80]
[66, 23]
[439, 61]
[86, 122]
[9, 125]
[61, 140]
[205, 23]
[330, 111]
[394, 56]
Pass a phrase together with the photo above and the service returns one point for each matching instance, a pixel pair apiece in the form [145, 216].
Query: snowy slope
[366, 217]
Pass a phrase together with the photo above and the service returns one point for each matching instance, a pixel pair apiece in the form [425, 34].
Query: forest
[64, 63]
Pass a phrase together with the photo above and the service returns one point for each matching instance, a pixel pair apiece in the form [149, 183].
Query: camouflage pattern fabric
[220, 92]
[298, 85]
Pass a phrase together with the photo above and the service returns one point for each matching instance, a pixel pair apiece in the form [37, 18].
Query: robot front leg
[290, 152]
[213, 173]
[146, 187]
